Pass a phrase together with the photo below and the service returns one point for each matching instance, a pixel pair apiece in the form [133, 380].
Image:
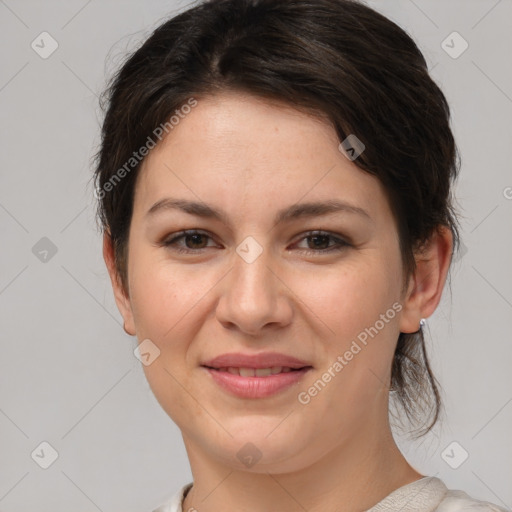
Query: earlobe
[121, 297]
[427, 283]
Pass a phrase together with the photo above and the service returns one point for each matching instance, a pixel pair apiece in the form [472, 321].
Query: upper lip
[262, 360]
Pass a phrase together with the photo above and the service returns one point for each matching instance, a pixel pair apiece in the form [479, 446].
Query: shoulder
[430, 494]
[459, 501]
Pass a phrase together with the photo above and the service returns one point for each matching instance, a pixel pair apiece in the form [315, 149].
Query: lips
[256, 372]
[265, 360]
[256, 375]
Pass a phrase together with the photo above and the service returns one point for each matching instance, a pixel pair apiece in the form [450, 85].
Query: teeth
[247, 372]
[256, 372]
[263, 372]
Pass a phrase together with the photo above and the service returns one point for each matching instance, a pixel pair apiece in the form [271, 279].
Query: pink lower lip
[256, 387]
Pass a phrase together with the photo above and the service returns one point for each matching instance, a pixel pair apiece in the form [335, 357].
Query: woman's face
[257, 280]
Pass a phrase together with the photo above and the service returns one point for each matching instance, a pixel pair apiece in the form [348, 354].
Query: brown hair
[337, 59]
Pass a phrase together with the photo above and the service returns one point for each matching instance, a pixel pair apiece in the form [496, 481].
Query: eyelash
[341, 244]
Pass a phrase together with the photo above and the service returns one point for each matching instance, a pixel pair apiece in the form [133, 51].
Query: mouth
[253, 383]
[256, 372]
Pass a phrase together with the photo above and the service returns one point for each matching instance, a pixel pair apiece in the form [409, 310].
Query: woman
[275, 185]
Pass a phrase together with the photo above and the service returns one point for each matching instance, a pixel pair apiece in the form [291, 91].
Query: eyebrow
[295, 211]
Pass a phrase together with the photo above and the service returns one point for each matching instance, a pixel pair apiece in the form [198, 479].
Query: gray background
[68, 375]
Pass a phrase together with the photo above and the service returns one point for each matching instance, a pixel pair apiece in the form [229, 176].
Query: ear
[427, 283]
[122, 298]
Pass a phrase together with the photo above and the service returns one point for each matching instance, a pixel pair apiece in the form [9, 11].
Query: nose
[254, 297]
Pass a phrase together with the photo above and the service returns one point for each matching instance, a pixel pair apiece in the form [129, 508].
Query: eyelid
[169, 241]
[341, 242]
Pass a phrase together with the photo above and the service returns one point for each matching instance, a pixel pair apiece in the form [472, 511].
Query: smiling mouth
[257, 372]
[256, 383]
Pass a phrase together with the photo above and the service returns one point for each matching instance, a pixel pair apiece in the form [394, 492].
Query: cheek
[351, 297]
[164, 304]
[160, 294]
[358, 309]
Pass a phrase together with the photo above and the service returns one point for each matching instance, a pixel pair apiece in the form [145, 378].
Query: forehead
[243, 151]
[239, 126]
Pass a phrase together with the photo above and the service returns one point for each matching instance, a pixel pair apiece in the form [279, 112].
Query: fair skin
[250, 159]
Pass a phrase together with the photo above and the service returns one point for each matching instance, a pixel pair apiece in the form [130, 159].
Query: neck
[358, 474]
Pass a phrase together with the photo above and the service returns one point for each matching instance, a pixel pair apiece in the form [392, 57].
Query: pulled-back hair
[336, 59]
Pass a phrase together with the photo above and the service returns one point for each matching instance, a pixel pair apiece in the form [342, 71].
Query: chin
[253, 449]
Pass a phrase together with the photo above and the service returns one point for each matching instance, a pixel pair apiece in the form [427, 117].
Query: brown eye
[320, 242]
[194, 241]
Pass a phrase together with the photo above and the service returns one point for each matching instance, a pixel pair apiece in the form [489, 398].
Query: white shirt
[428, 494]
